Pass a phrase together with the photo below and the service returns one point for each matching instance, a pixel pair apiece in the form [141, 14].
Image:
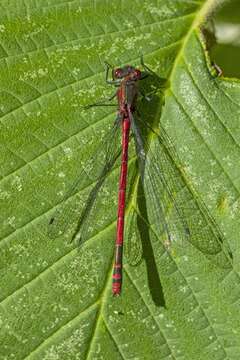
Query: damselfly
[174, 210]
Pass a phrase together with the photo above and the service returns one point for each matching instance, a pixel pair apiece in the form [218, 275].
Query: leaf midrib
[203, 12]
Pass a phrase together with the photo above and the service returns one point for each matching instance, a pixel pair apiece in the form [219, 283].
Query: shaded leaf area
[56, 300]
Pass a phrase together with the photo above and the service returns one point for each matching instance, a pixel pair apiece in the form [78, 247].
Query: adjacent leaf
[55, 300]
[226, 51]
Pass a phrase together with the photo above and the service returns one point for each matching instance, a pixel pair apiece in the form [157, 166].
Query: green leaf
[56, 300]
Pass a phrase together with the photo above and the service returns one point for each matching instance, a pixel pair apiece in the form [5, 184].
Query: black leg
[102, 102]
[144, 95]
[146, 68]
[111, 82]
[144, 76]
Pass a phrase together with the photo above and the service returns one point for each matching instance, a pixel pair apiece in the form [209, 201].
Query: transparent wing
[133, 245]
[74, 213]
[176, 213]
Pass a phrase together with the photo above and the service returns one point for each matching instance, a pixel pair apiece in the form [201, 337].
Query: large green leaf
[56, 301]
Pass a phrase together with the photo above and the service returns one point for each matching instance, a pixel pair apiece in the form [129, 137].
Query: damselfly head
[118, 73]
[127, 71]
[137, 74]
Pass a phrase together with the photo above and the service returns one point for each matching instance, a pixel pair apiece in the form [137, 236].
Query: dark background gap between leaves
[226, 51]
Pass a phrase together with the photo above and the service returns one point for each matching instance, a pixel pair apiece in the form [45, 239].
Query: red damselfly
[175, 211]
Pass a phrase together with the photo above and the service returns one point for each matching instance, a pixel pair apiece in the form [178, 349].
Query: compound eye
[118, 73]
[137, 74]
